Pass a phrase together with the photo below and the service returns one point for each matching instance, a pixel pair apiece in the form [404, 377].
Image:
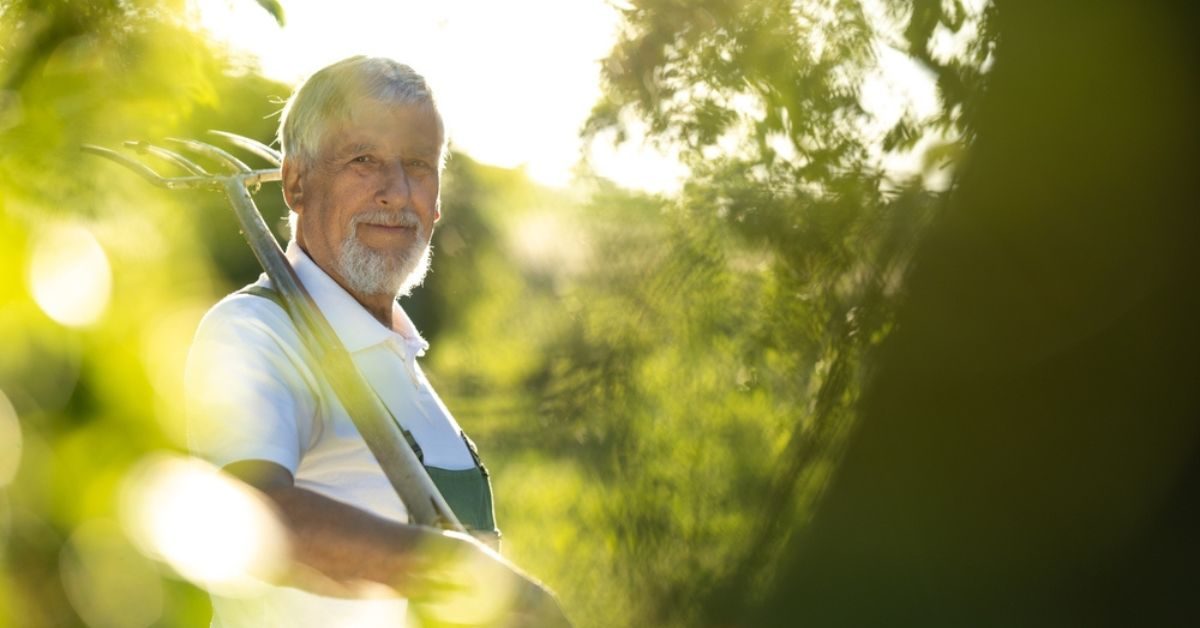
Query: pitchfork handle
[404, 471]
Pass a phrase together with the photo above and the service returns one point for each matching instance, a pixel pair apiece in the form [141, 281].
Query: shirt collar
[354, 325]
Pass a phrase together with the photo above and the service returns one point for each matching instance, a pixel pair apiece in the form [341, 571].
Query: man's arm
[348, 545]
[343, 543]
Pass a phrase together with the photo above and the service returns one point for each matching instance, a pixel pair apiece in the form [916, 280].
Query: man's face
[368, 203]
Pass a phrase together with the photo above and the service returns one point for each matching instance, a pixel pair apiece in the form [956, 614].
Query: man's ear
[293, 188]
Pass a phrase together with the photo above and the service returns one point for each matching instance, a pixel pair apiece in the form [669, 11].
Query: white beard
[369, 272]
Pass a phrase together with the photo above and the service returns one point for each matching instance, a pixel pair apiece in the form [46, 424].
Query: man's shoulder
[248, 315]
[257, 302]
[251, 331]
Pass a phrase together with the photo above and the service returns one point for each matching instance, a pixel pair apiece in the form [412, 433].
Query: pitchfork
[378, 427]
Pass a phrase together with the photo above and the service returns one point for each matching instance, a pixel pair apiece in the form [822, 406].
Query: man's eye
[418, 164]
[362, 159]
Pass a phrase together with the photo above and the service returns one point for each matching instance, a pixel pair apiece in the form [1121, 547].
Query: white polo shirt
[252, 394]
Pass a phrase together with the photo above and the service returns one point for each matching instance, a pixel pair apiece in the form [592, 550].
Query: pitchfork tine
[170, 155]
[133, 164]
[213, 152]
[252, 146]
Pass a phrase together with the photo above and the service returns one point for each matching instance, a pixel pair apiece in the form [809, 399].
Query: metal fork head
[197, 175]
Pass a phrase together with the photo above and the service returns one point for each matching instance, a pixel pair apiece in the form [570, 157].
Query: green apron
[467, 491]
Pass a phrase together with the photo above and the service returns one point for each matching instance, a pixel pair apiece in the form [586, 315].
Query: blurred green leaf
[274, 8]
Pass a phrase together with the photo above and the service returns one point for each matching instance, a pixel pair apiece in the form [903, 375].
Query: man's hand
[459, 581]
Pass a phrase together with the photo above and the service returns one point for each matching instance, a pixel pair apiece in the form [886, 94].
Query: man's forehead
[348, 140]
[358, 145]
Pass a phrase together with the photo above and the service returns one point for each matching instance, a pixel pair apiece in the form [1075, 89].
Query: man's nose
[394, 188]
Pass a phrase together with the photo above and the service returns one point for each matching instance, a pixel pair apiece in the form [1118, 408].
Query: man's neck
[379, 306]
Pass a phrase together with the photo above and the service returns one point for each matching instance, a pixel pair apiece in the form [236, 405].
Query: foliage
[1028, 452]
[93, 344]
[750, 299]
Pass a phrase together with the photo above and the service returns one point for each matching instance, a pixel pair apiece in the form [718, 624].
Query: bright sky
[515, 79]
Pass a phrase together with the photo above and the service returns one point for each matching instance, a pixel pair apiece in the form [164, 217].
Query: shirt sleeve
[248, 394]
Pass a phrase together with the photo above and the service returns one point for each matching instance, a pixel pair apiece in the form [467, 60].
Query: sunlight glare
[515, 80]
[544, 241]
[69, 275]
[634, 163]
[488, 591]
[211, 529]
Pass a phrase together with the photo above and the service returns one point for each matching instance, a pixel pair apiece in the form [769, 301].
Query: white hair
[328, 96]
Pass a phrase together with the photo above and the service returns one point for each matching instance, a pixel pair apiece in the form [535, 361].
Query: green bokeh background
[995, 373]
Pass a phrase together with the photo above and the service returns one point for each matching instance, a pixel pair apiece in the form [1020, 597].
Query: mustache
[405, 218]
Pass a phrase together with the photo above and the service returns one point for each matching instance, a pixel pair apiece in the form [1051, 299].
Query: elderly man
[363, 146]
